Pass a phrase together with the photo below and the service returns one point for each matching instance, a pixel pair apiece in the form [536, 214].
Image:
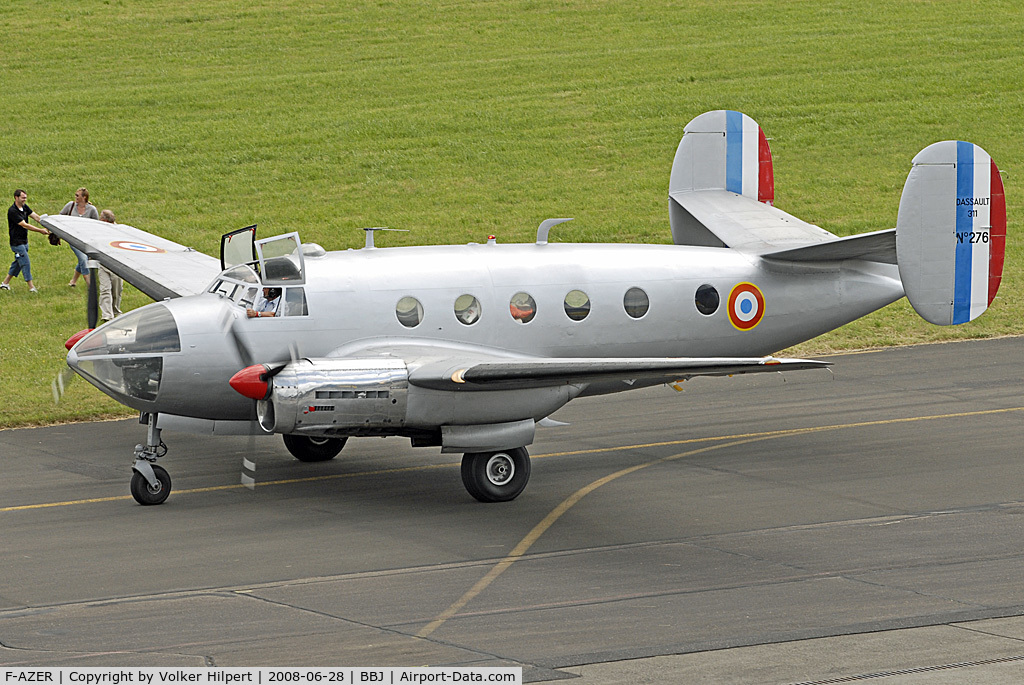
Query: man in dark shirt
[18, 226]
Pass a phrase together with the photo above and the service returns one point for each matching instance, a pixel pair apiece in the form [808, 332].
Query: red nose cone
[251, 382]
[76, 337]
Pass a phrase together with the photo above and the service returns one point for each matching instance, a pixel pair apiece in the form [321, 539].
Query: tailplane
[951, 232]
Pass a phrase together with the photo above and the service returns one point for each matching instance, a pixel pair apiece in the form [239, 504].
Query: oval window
[522, 307]
[707, 300]
[636, 303]
[467, 309]
[577, 305]
[409, 312]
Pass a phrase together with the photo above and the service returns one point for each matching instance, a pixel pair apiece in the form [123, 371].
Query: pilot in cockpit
[266, 304]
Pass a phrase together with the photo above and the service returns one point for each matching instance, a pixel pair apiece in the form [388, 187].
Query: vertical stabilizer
[724, 150]
[951, 232]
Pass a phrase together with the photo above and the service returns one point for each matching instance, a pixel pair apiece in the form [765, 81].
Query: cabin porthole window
[522, 307]
[409, 312]
[707, 300]
[467, 309]
[577, 305]
[636, 303]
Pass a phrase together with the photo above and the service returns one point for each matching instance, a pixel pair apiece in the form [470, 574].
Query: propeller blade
[228, 327]
[59, 384]
[93, 305]
[241, 348]
[248, 467]
[274, 370]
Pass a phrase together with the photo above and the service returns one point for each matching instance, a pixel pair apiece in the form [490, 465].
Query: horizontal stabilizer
[879, 246]
[718, 218]
[951, 232]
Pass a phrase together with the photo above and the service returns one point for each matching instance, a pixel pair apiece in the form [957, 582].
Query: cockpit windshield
[240, 284]
[149, 330]
[125, 356]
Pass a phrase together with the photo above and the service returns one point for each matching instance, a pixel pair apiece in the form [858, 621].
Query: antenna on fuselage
[369, 234]
[545, 227]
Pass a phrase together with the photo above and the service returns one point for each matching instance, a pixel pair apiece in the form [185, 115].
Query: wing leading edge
[158, 267]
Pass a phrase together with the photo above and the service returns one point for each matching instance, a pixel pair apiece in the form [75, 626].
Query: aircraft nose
[125, 357]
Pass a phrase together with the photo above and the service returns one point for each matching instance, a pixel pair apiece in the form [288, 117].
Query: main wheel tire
[305, 448]
[148, 495]
[496, 476]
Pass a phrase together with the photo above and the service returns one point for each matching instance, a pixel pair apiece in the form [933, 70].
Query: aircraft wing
[158, 267]
[454, 366]
[534, 373]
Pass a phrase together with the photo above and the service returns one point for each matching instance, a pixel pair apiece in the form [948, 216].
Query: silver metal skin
[468, 347]
[351, 304]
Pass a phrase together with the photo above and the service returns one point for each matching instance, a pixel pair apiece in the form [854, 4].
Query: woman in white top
[80, 207]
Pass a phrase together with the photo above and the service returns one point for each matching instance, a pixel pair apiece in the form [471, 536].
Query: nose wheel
[496, 476]
[150, 484]
[146, 493]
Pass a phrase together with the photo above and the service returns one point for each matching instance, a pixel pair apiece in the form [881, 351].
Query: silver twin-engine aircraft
[469, 347]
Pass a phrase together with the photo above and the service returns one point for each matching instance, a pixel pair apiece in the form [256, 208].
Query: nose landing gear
[150, 483]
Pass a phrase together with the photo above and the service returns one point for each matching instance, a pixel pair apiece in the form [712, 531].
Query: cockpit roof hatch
[238, 247]
[281, 260]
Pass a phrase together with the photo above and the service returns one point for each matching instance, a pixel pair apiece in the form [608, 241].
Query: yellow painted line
[527, 542]
[548, 521]
[787, 431]
[598, 450]
[215, 488]
[65, 504]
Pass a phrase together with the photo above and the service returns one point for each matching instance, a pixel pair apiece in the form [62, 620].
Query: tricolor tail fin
[724, 150]
[951, 232]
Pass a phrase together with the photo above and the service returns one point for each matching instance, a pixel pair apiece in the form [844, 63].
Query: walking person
[18, 227]
[110, 283]
[80, 206]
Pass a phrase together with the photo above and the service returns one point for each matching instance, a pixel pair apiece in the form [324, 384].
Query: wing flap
[158, 267]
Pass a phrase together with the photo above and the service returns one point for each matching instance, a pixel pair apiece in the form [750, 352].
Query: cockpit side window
[277, 302]
[294, 303]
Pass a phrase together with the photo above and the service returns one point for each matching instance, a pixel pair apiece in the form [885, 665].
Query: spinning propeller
[92, 316]
[253, 381]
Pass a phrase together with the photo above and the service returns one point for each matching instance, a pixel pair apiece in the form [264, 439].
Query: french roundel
[746, 306]
[132, 246]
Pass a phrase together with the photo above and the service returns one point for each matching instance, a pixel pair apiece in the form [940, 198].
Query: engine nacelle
[328, 397]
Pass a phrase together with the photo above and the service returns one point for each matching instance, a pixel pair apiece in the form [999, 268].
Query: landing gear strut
[496, 476]
[150, 483]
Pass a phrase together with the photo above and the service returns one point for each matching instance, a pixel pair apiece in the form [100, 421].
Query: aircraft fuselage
[542, 300]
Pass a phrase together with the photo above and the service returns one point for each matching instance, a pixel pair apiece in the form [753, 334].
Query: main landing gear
[150, 483]
[305, 448]
[496, 476]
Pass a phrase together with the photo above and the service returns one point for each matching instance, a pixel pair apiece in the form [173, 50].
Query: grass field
[460, 119]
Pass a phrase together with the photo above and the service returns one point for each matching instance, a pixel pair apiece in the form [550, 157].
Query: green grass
[461, 119]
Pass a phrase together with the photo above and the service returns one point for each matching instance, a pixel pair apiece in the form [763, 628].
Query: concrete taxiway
[863, 524]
